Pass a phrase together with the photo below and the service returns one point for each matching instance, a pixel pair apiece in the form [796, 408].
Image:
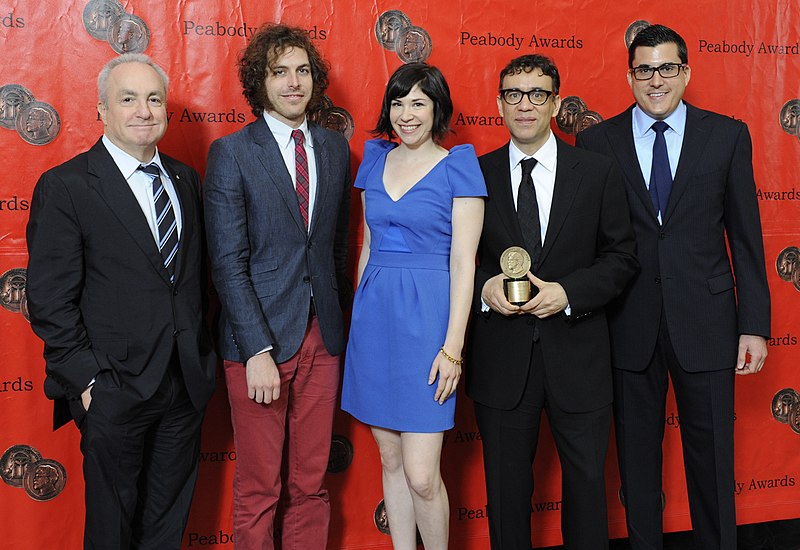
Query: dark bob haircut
[655, 35]
[530, 62]
[432, 83]
[269, 43]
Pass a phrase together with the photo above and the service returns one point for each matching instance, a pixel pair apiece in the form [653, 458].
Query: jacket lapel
[114, 191]
[181, 184]
[272, 161]
[499, 183]
[322, 161]
[568, 180]
[620, 133]
[695, 137]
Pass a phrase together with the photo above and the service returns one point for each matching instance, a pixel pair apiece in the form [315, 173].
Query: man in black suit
[115, 290]
[689, 179]
[567, 208]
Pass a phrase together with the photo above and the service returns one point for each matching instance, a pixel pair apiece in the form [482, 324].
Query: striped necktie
[165, 220]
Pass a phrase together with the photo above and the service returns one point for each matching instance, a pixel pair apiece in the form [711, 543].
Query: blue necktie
[165, 220]
[660, 173]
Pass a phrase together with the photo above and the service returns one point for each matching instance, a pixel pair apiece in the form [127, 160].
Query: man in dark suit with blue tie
[277, 209]
[693, 314]
[116, 290]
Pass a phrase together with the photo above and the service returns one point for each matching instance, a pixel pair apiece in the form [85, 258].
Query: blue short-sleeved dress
[402, 304]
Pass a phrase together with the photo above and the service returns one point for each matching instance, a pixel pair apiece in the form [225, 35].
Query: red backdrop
[746, 64]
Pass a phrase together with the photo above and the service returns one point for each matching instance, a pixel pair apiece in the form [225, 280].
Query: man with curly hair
[277, 197]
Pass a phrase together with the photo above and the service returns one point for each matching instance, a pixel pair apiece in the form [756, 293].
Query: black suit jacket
[589, 249]
[685, 267]
[99, 295]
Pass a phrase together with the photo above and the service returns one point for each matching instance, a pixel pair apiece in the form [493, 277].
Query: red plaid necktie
[301, 173]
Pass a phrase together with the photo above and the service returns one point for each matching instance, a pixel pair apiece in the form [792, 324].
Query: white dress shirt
[544, 176]
[141, 185]
[283, 135]
[544, 184]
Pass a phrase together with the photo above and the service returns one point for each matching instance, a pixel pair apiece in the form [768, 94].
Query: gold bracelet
[450, 358]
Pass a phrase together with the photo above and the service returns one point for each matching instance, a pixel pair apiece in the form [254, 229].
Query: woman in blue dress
[423, 213]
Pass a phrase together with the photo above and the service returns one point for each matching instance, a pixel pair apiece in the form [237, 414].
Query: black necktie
[660, 174]
[165, 220]
[528, 212]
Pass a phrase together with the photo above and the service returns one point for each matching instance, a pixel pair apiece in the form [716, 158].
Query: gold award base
[518, 291]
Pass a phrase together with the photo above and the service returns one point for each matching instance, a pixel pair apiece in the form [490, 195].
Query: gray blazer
[263, 263]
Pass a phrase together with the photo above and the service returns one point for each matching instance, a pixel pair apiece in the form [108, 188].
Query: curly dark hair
[432, 83]
[269, 43]
[529, 62]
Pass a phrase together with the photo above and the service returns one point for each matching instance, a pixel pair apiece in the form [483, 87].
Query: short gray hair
[102, 78]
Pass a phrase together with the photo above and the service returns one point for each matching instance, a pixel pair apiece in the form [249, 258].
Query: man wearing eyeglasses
[689, 179]
[567, 209]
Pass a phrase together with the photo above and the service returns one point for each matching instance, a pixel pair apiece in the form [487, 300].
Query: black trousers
[705, 411]
[509, 445]
[140, 474]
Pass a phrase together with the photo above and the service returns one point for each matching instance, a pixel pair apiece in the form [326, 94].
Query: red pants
[294, 430]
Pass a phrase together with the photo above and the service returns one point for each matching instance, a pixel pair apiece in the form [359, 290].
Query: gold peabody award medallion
[515, 263]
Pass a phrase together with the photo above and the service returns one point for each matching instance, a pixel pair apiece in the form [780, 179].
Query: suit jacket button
[175, 292]
[658, 280]
[306, 279]
[175, 333]
[308, 245]
[662, 235]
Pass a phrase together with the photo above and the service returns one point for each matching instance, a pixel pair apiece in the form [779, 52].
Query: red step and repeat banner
[746, 64]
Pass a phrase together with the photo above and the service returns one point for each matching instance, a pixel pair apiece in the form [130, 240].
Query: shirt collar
[282, 132]
[546, 155]
[127, 163]
[642, 122]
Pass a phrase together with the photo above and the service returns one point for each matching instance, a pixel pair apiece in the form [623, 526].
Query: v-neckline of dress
[407, 191]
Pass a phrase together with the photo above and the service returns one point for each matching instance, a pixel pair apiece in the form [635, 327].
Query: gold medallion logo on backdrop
[790, 112]
[334, 118]
[633, 29]
[787, 266]
[395, 32]
[12, 291]
[783, 403]
[36, 122]
[786, 408]
[107, 20]
[23, 467]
